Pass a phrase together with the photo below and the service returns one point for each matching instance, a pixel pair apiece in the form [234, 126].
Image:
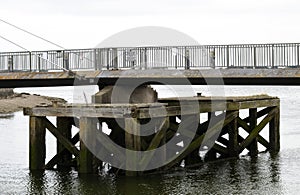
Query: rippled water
[262, 175]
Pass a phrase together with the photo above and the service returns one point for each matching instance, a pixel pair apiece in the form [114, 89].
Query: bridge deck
[284, 76]
[247, 64]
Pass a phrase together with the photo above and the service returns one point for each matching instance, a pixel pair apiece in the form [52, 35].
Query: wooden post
[37, 146]
[64, 126]
[85, 156]
[164, 139]
[252, 124]
[211, 154]
[133, 143]
[274, 133]
[193, 157]
[233, 145]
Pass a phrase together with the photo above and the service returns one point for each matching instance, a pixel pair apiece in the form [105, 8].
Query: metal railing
[171, 57]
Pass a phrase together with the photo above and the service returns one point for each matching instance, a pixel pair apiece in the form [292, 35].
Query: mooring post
[85, 164]
[64, 126]
[37, 146]
[252, 123]
[132, 143]
[233, 145]
[274, 133]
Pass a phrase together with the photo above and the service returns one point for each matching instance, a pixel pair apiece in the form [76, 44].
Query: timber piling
[235, 135]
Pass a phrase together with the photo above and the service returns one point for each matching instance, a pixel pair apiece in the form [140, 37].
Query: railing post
[254, 57]
[10, 63]
[30, 66]
[187, 59]
[212, 58]
[298, 55]
[95, 59]
[65, 60]
[115, 58]
[176, 61]
[273, 63]
[284, 56]
[145, 58]
[228, 56]
[39, 62]
[124, 58]
[107, 58]
[133, 60]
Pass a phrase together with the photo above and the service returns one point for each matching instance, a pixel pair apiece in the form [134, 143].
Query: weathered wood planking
[174, 108]
[218, 98]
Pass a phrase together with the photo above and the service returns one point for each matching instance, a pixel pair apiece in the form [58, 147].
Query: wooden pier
[236, 134]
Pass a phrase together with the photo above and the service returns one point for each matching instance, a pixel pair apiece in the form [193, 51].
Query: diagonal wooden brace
[257, 129]
[64, 141]
[198, 141]
[56, 158]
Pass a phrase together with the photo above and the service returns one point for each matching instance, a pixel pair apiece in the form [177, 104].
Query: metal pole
[273, 60]
[187, 59]
[298, 55]
[254, 56]
[145, 57]
[30, 66]
[212, 58]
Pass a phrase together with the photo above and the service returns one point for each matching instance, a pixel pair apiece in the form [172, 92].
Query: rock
[6, 92]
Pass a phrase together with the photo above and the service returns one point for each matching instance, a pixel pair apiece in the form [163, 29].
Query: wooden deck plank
[148, 110]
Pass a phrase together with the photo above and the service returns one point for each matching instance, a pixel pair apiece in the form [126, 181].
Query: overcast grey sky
[83, 24]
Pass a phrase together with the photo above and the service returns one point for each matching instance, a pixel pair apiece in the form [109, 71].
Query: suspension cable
[64, 69]
[26, 31]
[39, 37]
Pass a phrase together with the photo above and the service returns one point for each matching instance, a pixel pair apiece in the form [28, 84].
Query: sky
[84, 24]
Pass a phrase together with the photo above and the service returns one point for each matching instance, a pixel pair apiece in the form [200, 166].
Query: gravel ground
[18, 101]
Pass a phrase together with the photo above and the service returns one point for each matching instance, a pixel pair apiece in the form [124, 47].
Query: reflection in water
[232, 176]
[254, 175]
[36, 182]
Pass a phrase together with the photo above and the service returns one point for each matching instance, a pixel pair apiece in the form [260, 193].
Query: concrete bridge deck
[281, 76]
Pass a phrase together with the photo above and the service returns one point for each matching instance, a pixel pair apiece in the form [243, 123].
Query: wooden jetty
[236, 135]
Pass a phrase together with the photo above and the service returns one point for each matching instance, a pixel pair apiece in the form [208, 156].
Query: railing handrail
[162, 46]
[185, 56]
